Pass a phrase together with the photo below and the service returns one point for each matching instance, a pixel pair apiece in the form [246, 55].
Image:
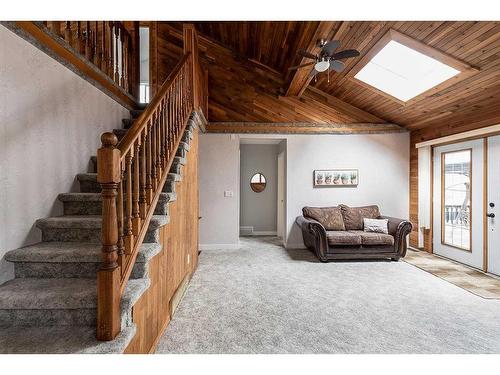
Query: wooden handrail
[132, 174]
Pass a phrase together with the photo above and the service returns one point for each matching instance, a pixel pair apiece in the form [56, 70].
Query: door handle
[492, 215]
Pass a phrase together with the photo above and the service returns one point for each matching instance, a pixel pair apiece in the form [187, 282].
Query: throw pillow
[353, 216]
[329, 217]
[375, 225]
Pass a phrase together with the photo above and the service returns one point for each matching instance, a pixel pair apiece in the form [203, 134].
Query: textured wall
[259, 210]
[50, 124]
[219, 171]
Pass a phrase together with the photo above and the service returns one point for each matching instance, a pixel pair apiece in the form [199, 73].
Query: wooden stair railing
[132, 174]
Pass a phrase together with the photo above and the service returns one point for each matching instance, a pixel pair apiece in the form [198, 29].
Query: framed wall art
[336, 177]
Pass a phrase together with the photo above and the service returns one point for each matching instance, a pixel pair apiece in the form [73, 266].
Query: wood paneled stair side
[50, 305]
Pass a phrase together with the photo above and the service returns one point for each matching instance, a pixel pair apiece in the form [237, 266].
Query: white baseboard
[219, 246]
[295, 246]
[263, 233]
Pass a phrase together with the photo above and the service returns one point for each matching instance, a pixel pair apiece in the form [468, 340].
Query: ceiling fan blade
[330, 47]
[345, 54]
[313, 72]
[336, 65]
[301, 66]
[304, 53]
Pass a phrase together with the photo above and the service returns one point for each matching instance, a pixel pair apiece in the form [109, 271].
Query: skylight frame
[465, 70]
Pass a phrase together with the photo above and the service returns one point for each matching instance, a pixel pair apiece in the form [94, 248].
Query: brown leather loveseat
[337, 233]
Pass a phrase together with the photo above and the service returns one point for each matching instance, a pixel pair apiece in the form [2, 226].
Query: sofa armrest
[399, 229]
[314, 235]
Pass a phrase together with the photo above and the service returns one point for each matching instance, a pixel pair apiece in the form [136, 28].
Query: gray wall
[50, 124]
[259, 210]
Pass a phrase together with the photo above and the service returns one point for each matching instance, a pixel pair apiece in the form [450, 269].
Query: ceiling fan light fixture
[322, 65]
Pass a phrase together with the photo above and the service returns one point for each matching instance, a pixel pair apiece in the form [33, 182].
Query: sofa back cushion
[329, 217]
[353, 216]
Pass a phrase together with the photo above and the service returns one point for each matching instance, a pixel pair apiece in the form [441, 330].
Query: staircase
[51, 305]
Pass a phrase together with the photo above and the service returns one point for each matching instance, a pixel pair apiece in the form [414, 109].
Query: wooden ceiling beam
[301, 79]
[302, 128]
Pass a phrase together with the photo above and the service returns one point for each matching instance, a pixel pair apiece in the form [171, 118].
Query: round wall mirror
[258, 182]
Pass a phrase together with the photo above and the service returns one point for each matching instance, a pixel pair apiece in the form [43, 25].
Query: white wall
[218, 172]
[50, 124]
[383, 163]
[259, 210]
[382, 160]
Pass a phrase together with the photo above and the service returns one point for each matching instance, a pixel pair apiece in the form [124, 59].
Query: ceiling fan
[327, 59]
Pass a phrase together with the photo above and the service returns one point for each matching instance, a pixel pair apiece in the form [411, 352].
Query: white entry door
[458, 206]
[493, 206]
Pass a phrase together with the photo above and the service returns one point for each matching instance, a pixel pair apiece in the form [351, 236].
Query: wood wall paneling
[179, 241]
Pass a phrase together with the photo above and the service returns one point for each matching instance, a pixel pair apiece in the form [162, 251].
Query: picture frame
[335, 178]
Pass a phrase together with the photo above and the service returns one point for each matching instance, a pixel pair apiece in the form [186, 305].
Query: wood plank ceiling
[258, 54]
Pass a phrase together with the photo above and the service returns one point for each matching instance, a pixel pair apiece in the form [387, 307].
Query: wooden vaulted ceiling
[249, 78]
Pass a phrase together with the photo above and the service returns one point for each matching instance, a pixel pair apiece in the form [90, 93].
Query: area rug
[465, 277]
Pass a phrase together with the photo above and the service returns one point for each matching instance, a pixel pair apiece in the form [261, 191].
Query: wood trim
[36, 35]
[461, 137]
[431, 230]
[465, 69]
[443, 200]
[302, 128]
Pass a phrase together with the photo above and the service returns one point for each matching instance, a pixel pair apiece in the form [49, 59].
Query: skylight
[403, 72]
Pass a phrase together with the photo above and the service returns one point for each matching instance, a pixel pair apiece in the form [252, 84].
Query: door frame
[484, 194]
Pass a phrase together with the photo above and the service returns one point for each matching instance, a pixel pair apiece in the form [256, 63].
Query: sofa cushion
[375, 225]
[353, 216]
[343, 238]
[329, 217]
[374, 239]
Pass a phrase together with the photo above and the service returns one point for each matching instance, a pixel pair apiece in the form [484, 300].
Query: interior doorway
[262, 187]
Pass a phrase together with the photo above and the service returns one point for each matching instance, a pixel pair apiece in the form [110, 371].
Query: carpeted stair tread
[71, 252]
[174, 177]
[89, 222]
[97, 197]
[134, 113]
[61, 340]
[47, 294]
[127, 123]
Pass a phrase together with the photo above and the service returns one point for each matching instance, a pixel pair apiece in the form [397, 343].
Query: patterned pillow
[330, 217]
[353, 216]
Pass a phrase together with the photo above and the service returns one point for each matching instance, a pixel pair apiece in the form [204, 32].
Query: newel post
[191, 45]
[108, 277]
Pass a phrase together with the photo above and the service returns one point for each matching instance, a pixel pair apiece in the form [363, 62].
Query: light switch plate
[228, 193]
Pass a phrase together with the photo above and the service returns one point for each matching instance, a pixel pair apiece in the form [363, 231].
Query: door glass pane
[456, 212]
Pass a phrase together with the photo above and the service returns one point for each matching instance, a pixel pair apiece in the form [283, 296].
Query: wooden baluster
[171, 122]
[143, 181]
[163, 163]
[153, 152]
[149, 182]
[104, 31]
[111, 53]
[159, 157]
[108, 277]
[67, 32]
[80, 39]
[119, 200]
[97, 51]
[55, 27]
[122, 72]
[136, 215]
[129, 236]
[88, 51]
[117, 56]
